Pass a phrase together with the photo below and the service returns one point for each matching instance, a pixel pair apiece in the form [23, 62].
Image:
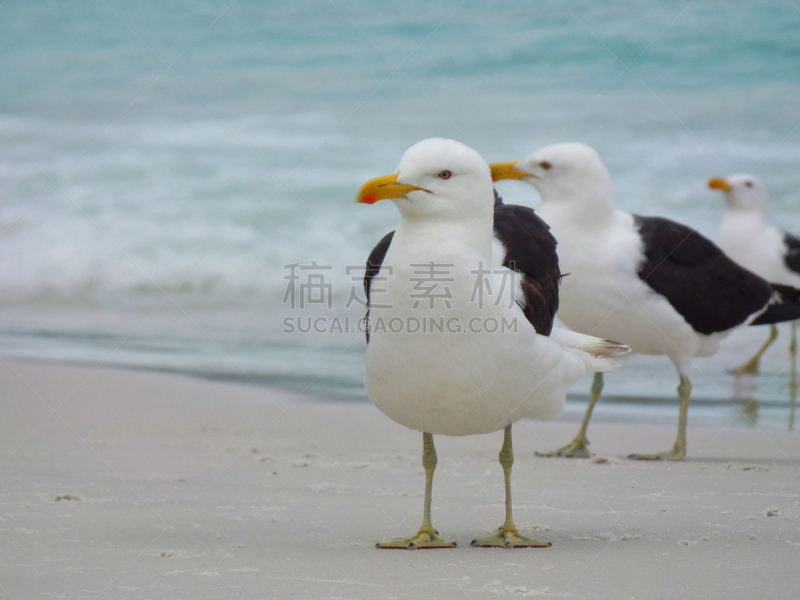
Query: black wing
[531, 251]
[707, 288]
[792, 256]
[374, 263]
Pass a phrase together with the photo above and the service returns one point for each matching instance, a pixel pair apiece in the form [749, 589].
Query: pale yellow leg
[679, 449]
[751, 366]
[427, 536]
[508, 536]
[793, 380]
[579, 447]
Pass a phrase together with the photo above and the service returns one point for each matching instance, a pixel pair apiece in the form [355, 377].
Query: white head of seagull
[569, 174]
[436, 180]
[742, 193]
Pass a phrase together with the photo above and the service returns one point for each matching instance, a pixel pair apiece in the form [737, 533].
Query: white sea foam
[193, 207]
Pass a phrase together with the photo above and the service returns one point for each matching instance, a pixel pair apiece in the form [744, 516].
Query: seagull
[433, 362]
[747, 237]
[653, 284]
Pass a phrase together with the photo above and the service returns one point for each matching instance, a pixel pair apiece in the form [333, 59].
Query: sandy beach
[128, 484]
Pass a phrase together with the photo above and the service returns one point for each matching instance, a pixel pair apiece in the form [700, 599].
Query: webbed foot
[426, 537]
[748, 368]
[509, 537]
[678, 452]
[577, 448]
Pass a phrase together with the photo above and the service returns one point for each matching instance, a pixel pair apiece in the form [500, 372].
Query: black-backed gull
[656, 285]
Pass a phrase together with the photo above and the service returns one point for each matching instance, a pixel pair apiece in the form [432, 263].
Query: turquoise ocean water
[162, 162]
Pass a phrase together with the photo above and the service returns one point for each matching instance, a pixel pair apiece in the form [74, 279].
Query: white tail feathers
[597, 354]
[586, 343]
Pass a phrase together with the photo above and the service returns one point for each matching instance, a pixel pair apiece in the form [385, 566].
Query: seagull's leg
[793, 380]
[751, 366]
[427, 536]
[579, 447]
[508, 536]
[679, 449]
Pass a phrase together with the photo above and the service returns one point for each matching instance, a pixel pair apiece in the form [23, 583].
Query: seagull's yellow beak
[718, 183]
[508, 170]
[382, 188]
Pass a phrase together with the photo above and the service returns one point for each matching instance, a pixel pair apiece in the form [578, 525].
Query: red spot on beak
[369, 199]
[494, 177]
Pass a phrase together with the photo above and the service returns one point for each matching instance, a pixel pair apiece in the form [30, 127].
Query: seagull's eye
[545, 165]
[748, 183]
[444, 175]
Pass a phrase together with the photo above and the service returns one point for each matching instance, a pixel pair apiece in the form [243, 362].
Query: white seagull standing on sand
[653, 284]
[747, 237]
[459, 377]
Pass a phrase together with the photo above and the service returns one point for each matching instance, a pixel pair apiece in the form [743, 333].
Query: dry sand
[124, 484]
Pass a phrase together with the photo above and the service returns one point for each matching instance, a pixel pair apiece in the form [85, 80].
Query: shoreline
[144, 483]
[746, 408]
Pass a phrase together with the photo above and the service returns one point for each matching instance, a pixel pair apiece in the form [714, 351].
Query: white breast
[458, 379]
